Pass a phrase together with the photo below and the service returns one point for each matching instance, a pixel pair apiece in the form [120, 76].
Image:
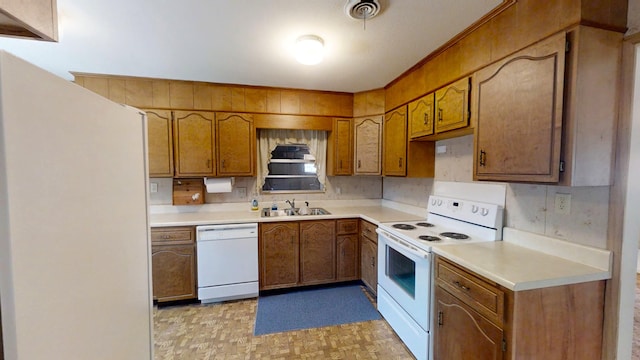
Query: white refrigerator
[74, 231]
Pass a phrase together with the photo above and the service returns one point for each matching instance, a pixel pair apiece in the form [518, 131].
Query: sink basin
[266, 212]
[318, 211]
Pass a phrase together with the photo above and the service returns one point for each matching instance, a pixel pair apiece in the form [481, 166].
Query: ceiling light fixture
[309, 49]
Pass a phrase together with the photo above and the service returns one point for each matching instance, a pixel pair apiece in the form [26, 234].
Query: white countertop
[516, 264]
[373, 211]
[522, 261]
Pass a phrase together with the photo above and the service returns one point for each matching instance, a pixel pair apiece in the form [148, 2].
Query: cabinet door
[519, 115]
[421, 114]
[452, 106]
[193, 133]
[347, 257]
[317, 251]
[235, 141]
[369, 263]
[462, 333]
[395, 142]
[339, 148]
[160, 141]
[279, 255]
[368, 145]
[173, 272]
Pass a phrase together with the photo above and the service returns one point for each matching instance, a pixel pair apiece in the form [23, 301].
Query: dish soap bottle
[274, 206]
[254, 205]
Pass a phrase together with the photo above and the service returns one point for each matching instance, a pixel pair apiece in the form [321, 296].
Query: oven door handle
[406, 246]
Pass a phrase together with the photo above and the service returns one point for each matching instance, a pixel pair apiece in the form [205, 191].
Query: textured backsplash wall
[529, 207]
[338, 188]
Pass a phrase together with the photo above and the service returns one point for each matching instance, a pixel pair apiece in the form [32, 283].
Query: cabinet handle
[458, 284]
[292, 241]
[340, 164]
[483, 158]
[359, 164]
[209, 164]
[399, 162]
[439, 115]
[223, 164]
[373, 261]
[426, 118]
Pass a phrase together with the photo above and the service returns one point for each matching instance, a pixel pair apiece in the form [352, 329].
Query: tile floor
[225, 331]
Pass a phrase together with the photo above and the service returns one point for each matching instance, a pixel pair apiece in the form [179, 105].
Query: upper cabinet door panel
[421, 114]
[160, 143]
[194, 143]
[235, 140]
[452, 106]
[368, 145]
[519, 115]
[395, 142]
[339, 151]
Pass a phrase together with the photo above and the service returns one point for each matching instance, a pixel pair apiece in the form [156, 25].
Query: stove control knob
[433, 201]
[485, 212]
[439, 202]
[474, 208]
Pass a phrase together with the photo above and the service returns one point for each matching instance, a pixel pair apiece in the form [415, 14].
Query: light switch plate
[153, 187]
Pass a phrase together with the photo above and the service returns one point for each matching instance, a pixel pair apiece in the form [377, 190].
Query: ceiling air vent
[362, 9]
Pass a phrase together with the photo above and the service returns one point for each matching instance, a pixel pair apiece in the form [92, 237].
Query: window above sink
[292, 161]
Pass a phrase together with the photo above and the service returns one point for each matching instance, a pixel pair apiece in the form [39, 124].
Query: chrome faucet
[291, 203]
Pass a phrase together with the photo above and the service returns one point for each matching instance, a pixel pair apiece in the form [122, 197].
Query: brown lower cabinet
[317, 252]
[279, 255]
[298, 253]
[347, 250]
[369, 255]
[173, 263]
[479, 319]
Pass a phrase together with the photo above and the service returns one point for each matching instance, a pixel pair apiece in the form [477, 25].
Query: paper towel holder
[231, 183]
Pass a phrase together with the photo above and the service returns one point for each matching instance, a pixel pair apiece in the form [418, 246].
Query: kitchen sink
[266, 212]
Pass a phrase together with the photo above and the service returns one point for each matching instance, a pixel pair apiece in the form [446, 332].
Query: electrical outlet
[563, 204]
[241, 192]
[153, 187]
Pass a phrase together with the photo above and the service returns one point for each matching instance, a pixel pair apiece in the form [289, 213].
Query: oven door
[404, 272]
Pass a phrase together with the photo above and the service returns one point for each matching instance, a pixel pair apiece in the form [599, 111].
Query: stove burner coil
[404, 226]
[454, 235]
[425, 224]
[428, 238]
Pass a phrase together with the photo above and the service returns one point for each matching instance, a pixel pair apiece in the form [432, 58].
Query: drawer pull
[458, 284]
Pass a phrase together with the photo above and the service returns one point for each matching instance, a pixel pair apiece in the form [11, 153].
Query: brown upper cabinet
[37, 19]
[521, 101]
[367, 138]
[235, 143]
[193, 136]
[402, 157]
[395, 142]
[452, 106]
[160, 143]
[339, 148]
[421, 116]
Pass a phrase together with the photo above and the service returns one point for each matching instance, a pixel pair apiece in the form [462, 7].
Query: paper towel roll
[218, 185]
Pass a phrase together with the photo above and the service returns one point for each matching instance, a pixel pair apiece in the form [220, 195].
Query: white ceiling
[247, 41]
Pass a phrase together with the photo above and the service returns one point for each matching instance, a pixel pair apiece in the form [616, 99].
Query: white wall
[338, 188]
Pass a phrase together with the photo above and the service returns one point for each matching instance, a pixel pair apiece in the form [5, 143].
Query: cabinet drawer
[349, 226]
[484, 297]
[173, 235]
[368, 230]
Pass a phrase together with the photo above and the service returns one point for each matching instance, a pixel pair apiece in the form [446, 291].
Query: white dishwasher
[227, 262]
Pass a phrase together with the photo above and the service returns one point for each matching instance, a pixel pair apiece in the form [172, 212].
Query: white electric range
[405, 281]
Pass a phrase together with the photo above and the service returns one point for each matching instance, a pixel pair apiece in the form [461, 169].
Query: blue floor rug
[307, 309]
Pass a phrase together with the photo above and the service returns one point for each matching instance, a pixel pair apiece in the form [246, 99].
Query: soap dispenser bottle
[254, 204]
